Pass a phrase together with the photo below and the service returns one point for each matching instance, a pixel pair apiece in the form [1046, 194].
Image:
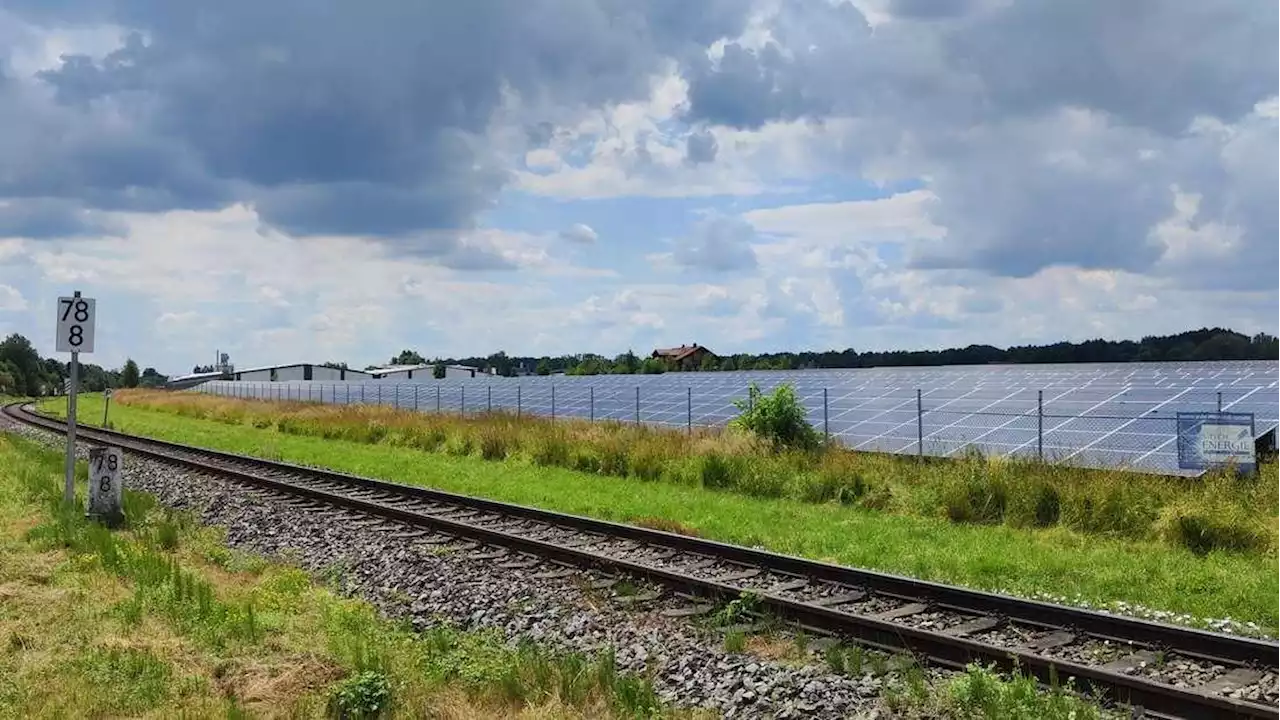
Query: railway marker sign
[1216, 439]
[76, 317]
[105, 487]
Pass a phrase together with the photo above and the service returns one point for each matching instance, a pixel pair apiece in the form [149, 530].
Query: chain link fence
[1134, 427]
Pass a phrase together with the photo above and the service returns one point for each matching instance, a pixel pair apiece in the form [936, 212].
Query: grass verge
[1218, 512]
[162, 615]
[1176, 583]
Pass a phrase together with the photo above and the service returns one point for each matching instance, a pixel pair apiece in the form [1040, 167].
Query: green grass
[161, 616]
[1057, 561]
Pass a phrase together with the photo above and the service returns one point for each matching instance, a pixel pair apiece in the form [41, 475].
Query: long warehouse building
[299, 371]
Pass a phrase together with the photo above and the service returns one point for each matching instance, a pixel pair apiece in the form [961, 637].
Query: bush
[364, 695]
[551, 449]
[495, 443]
[778, 418]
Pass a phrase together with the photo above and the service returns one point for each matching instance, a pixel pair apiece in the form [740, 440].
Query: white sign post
[105, 488]
[76, 317]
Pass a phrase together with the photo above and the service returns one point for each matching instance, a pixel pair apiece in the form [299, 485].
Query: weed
[738, 610]
[735, 641]
[362, 696]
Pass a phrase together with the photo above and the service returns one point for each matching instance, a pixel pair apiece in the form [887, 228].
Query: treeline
[1194, 345]
[23, 372]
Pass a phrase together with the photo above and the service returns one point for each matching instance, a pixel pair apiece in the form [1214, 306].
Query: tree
[30, 377]
[129, 376]
[438, 372]
[709, 363]
[408, 357]
[544, 367]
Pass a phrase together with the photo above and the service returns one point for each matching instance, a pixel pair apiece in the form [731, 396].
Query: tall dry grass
[1216, 512]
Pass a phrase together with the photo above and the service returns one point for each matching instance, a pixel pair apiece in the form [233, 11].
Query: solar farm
[1087, 415]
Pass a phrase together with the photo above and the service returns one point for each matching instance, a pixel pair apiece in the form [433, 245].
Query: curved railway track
[1121, 659]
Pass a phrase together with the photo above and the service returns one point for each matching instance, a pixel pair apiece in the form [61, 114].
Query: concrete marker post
[106, 490]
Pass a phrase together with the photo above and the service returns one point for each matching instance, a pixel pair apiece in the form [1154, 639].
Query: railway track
[1164, 670]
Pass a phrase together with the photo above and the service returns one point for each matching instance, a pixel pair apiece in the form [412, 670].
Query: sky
[293, 181]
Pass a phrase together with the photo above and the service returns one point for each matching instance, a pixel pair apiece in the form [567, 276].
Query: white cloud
[11, 300]
[579, 233]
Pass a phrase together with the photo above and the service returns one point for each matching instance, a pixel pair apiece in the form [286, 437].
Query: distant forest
[1203, 344]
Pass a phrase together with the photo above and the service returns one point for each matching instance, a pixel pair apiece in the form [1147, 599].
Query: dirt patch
[272, 687]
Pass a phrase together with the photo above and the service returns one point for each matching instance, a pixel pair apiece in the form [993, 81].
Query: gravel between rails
[405, 578]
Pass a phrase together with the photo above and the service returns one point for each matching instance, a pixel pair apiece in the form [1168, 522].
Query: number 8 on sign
[76, 316]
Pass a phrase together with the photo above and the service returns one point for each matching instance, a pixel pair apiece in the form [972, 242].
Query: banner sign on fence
[1209, 439]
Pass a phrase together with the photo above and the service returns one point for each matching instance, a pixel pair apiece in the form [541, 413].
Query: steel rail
[942, 648]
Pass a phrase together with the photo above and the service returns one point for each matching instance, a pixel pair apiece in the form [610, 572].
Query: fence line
[885, 421]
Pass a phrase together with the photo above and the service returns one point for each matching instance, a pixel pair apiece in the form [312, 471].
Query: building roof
[290, 365]
[193, 376]
[679, 353]
[398, 368]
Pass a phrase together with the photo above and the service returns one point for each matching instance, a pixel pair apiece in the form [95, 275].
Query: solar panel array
[1093, 415]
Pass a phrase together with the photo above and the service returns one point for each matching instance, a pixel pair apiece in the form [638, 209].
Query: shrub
[778, 418]
[614, 458]
[363, 695]
[1034, 503]
[647, 463]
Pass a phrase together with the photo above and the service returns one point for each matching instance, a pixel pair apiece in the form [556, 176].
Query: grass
[162, 615]
[1098, 566]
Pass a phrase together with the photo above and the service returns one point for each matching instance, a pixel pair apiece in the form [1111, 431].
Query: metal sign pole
[69, 489]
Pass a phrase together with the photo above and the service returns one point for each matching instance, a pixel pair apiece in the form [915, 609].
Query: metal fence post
[826, 424]
[591, 391]
[1040, 425]
[1219, 401]
[750, 400]
[553, 402]
[688, 410]
[919, 424]
[488, 398]
[637, 404]
[437, 398]
[416, 388]
[462, 400]
[361, 393]
[348, 400]
[379, 396]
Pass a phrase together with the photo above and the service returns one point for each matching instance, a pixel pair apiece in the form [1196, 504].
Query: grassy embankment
[162, 615]
[1205, 547]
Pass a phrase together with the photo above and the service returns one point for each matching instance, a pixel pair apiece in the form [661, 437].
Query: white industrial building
[424, 373]
[299, 371]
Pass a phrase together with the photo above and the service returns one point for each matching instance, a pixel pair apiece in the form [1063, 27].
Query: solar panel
[1093, 415]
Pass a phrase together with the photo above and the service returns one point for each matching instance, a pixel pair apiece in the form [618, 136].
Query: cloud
[42, 218]
[718, 244]
[579, 233]
[373, 119]
[11, 300]
[701, 147]
[1051, 133]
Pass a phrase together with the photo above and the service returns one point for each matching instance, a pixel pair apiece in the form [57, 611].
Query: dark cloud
[1052, 132]
[42, 218]
[719, 244]
[700, 147]
[354, 118]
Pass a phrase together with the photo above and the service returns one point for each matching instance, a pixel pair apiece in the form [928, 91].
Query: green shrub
[363, 695]
[614, 458]
[778, 418]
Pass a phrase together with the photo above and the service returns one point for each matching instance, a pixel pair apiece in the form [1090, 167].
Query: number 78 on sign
[75, 324]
